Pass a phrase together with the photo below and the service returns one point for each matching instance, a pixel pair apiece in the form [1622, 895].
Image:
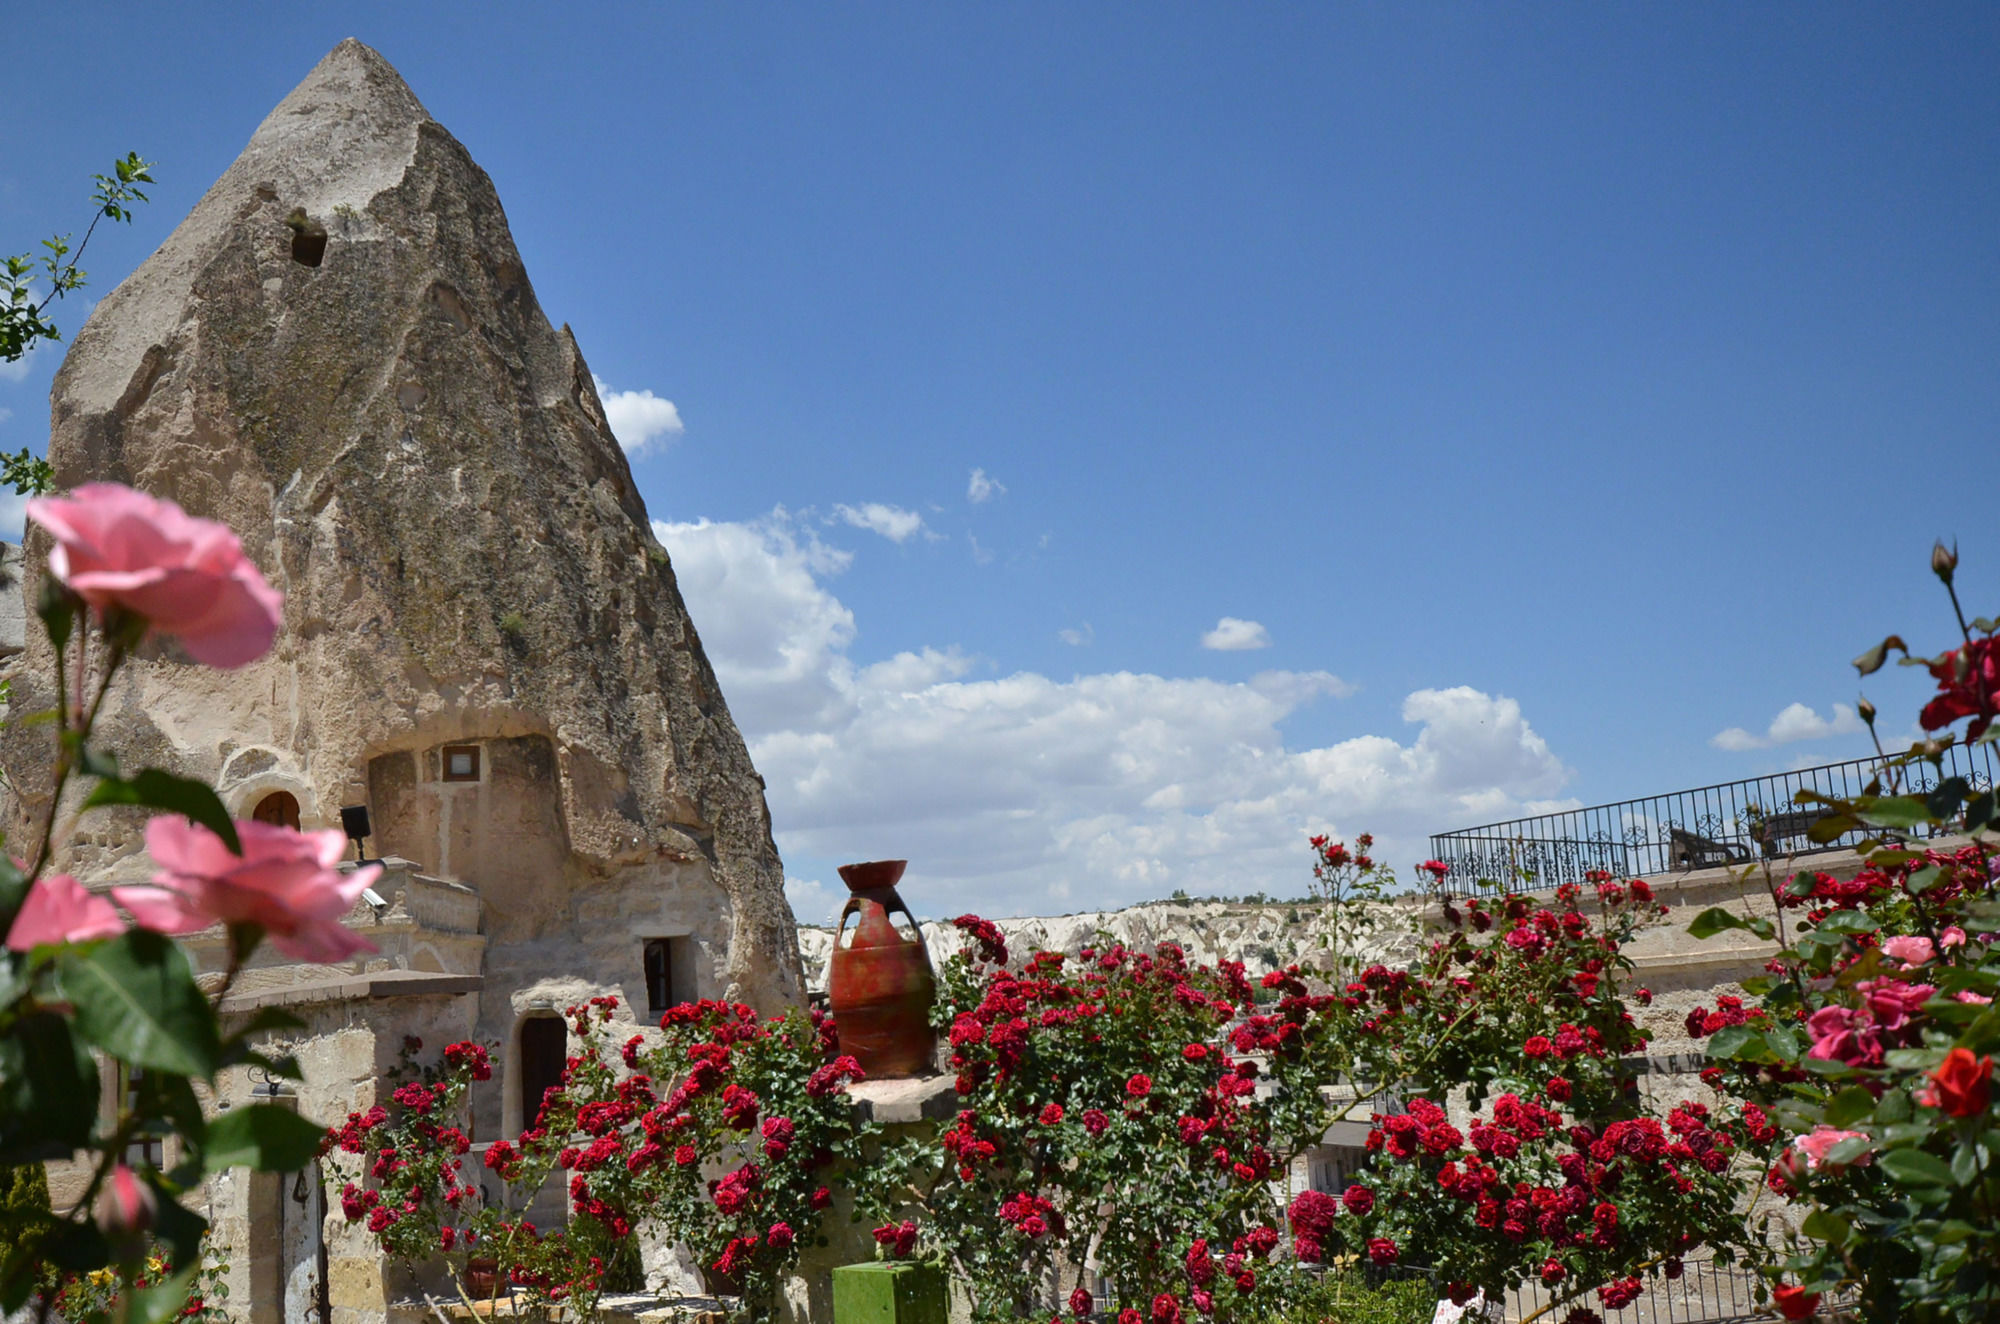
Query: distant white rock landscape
[1263, 936]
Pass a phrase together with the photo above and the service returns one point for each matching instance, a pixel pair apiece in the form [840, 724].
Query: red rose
[1358, 1199]
[1795, 1302]
[1963, 1084]
[1140, 1085]
[1382, 1250]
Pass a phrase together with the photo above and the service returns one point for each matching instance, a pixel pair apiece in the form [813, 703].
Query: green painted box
[888, 1294]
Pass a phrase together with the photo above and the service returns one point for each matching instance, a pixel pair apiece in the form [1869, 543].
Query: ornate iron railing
[1731, 822]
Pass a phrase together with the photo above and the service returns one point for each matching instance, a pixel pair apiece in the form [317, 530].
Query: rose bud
[1943, 561]
[126, 1205]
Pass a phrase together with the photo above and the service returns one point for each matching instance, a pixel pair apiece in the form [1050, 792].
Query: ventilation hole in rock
[308, 238]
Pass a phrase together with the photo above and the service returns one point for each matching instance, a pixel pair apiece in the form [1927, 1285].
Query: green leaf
[1965, 1164]
[1923, 880]
[1980, 811]
[1894, 811]
[1716, 920]
[1739, 1042]
[265, 1136]
[1848, 921]
[1871, 661]
[1829, 827]
[1945, 798]
[48, 1083]
[1784, 1042]
[1913, 1167]
[1849, 1106]
[154, 789]
[1827, 1226]
[1914, 1059]
[136, 999]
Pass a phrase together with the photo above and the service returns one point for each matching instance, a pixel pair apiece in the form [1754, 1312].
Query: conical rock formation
[339, 354]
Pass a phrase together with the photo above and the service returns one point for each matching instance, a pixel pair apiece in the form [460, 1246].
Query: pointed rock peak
[352, 81]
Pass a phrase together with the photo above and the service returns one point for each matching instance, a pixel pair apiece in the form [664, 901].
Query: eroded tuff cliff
[339, 354]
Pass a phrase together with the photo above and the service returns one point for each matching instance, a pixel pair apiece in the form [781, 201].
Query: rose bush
[722, 1132]
[1132, 1111]
[1871, 1038]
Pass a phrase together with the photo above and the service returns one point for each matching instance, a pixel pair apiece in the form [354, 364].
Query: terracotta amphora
[881, 985]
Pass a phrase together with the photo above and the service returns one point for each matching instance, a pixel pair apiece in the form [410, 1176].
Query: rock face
[338, 353]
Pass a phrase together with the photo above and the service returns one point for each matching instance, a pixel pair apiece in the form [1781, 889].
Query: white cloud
[1025, 794]
[982, 489]
[1233, 636]
[762, 608]
[812, 901]
[1796, 722]
[980, 555]
[892, 522]
[637, 418]
[6, 414]
[1078, 636]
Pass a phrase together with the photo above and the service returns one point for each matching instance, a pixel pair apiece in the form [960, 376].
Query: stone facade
[338, 353]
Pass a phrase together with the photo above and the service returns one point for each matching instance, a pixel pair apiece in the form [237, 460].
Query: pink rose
[58, 909]
[285, 882]
[1952, 937]
[1821, 1141]
[1891, 1002]
[1910, 950]
[125, 1204]
[1832, 1029]
[117, 548]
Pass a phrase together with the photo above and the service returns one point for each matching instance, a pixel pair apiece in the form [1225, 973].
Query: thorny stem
[62, 769]
[1978, 673]
[76, 737]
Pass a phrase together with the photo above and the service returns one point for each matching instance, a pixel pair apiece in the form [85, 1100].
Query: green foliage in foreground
[1350, 1298]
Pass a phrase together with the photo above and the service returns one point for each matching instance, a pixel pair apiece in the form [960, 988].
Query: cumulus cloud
[892, 522]
[812, 901]
[637, 418]
[1077, 636]
[764, 615]
[1022, 793]
[1233, 636]
[1797, 722]
[981, 489]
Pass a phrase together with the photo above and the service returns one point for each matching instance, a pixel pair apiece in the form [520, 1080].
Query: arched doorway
[544, 1053]
[279, 808]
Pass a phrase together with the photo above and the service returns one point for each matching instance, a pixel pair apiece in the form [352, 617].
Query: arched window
[544, 1051]
[279, 808]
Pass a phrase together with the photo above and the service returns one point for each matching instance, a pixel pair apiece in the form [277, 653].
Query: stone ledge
[355, 988]
[907, 1101]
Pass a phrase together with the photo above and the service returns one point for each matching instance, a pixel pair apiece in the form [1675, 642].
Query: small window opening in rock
[461, 763]
[669, 973]
[279, 808]
[308, 238]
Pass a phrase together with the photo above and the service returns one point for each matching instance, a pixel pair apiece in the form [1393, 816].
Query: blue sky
[1558, 396]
